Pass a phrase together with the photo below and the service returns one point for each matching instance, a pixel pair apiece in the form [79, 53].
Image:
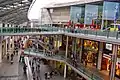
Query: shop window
[90, 53]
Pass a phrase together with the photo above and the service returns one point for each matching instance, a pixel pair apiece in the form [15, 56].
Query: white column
[57, 41]
[0, 24]
[31, 24]
[6, 25]
[66, 57]
[66, 47]
[65, 68]
[81, 48]
[6, 45]
[100, 53]
[114, 60]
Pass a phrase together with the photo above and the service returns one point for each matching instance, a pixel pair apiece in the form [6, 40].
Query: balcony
[96, 35]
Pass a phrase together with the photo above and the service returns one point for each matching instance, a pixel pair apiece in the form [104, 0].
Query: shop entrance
[106, 59]
[90, 53]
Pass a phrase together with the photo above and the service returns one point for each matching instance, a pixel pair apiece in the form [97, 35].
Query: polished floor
[15, 71]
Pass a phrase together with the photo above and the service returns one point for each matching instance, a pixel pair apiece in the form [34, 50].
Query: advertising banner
[111, 10]
[75, 13]
[91, 13]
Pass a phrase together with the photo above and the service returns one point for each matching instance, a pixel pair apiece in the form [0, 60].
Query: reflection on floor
[46, 68]
[12, 72]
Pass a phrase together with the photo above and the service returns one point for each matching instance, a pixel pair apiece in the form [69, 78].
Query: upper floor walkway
[96, 35]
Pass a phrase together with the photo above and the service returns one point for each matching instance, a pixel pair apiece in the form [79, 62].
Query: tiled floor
[43, 70]
[11, 71]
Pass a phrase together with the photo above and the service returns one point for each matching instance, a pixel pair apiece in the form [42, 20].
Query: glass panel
[91, 12]
[75, 14]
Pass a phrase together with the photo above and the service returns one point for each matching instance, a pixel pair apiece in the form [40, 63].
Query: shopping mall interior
[77, 40]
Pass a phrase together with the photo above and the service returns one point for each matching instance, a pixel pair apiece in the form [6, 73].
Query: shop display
[89, 56]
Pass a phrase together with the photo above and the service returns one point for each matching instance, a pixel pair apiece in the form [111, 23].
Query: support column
[6, 45]
[81, 48]
[75, 44]
[31, 24]
[65, 69]
[66, 47]
[66, 57]
[114, 60]
[100, 54]
[56, 41]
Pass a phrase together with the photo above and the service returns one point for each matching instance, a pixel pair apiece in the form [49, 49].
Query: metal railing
[103, 33]
[80, 67]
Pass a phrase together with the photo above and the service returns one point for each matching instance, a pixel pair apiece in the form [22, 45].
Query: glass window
[91, 13]
[109, 10]
[75, 13]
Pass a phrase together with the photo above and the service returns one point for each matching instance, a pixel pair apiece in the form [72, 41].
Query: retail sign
[91, 12]
[75, 13]
[111, 10]
[113, 0]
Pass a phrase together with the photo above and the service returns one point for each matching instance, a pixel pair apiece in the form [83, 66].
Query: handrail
[82, 69]
[44, 47]
[28, 70]
[104, 33]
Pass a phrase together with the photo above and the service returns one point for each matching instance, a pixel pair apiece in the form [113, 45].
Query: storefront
[58, 41]
[118, 64]
[69, 47]
[106, 59]
[60, 67]
[90, 53]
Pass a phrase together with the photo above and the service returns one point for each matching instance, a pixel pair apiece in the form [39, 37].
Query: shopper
[32, 69]
[85, 62]
[45, 75]
[8, 56]
[24, 68]
[48, 75]
[12, 57]
[34, 77]
[38, 67]
[20, 58]
[51, 73]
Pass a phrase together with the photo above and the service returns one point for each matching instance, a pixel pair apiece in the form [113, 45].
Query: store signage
[113, 0]
[109, 46]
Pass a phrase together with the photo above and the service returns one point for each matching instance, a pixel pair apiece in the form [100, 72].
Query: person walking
[8, 56]
[45, 75]
[48, 75]
[32, 69]
[12, 58]
[24, 68]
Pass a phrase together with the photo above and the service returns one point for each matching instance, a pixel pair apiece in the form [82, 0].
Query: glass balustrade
[107, 34]
[91, 74]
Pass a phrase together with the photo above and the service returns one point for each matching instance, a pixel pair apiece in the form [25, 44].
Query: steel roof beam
[12, 10]
[19, 22]
[16, 18]
[14, 14]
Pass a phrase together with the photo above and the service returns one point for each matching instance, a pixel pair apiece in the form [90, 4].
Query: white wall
[61, 14]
